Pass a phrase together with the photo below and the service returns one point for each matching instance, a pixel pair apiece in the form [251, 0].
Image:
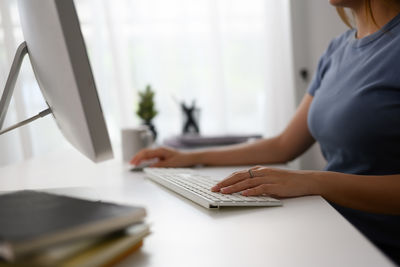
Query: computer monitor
[57, 52]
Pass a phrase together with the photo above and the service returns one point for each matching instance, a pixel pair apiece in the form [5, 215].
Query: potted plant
[146, 110]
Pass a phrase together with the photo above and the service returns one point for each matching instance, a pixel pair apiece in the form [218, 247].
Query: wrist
[197, 157]
[315, 183]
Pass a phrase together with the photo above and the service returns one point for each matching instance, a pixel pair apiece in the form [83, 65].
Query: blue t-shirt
[355, 117]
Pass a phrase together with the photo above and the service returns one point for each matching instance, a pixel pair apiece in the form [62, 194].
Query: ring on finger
[251, 173]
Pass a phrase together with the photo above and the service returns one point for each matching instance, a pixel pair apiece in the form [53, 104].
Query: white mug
[135, 139]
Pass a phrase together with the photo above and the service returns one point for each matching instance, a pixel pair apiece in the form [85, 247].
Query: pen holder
[190, 120]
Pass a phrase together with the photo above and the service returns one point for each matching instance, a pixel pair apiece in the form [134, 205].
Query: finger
[232, 179]
[244, 184]
[267, 189]
[257, 171]
[258, 167]
[147, 154]
[138, 157]
[162, 164]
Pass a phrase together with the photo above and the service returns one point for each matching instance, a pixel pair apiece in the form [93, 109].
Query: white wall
[314, 24]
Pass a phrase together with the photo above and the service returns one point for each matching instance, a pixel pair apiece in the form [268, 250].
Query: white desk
[304, 232]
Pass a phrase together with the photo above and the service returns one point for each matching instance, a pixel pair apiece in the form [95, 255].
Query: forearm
[265, 151]
[292, 142]
[379, 194]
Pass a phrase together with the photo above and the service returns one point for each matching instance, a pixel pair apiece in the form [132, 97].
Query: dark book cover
[31, 220]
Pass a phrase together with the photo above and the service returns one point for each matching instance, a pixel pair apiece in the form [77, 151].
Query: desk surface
[306, 231]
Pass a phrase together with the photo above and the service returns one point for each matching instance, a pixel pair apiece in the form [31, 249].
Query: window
[227, 55]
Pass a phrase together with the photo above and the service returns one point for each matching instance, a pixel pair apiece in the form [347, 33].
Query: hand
[167, 157]
[268, 181]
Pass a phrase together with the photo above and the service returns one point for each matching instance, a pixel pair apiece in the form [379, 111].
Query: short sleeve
[323, 64]
[316, 81]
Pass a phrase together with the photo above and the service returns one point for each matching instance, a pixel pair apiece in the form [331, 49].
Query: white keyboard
[196, 187]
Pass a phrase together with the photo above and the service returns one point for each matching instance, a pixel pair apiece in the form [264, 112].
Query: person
[352, 108]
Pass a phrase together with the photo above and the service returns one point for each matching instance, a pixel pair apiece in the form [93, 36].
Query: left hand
[268, 181]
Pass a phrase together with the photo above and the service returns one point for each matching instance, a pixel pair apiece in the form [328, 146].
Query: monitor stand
[22, 51]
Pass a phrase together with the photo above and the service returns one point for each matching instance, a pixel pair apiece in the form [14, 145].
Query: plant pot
[152, 129]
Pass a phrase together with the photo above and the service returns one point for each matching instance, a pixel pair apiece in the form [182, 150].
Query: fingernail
[224, 190]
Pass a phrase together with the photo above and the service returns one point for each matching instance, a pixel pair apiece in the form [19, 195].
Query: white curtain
[233, 57]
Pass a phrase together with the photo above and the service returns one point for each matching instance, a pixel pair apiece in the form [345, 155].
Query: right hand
[167, 157]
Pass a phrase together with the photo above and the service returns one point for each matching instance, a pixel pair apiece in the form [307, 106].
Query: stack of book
[42, 229]
[199, 141]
